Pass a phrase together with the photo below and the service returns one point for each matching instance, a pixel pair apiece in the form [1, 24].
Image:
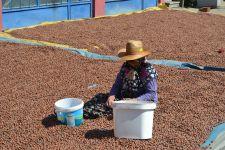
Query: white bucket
[70, 111]
[133, 119]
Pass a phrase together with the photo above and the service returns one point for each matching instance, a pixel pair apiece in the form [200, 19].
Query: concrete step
[173, 4]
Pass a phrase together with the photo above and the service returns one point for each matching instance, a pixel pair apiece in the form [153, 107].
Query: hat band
[140, 50]
[137, 51]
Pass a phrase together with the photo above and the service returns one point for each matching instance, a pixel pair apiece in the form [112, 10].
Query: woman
[137, 79]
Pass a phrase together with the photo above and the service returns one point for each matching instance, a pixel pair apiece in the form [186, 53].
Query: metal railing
[21, 4]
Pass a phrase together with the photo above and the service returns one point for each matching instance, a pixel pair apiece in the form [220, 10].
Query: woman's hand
[110, 101]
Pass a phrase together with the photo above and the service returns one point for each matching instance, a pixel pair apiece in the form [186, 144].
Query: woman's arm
[114, 90]
[116, 86]
[151, 91]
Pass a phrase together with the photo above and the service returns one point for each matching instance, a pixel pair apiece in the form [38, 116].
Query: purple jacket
[145, 93]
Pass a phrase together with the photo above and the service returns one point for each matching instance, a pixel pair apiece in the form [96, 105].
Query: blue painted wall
[149, 3]
[124, 6]
[81, 11]
[32, 17]
[15, 18]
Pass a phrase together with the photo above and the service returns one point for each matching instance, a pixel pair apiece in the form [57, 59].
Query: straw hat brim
[123, 55]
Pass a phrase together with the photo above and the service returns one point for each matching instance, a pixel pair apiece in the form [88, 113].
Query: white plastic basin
[133, 119]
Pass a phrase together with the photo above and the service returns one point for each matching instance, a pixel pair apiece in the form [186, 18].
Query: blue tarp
[185, 65]
[213, 135]
[73, 50]
[169, 63]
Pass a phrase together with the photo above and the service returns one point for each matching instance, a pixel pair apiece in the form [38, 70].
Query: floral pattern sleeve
[149, 78]
[151, 91]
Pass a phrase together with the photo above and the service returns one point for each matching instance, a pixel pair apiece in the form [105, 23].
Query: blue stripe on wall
[149, 3]
[124, 6]
[81, 11]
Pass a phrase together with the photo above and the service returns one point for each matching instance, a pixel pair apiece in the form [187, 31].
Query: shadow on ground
[99, 134]
[51, 121]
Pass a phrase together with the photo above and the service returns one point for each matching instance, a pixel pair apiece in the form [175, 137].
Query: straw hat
[134, 50]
